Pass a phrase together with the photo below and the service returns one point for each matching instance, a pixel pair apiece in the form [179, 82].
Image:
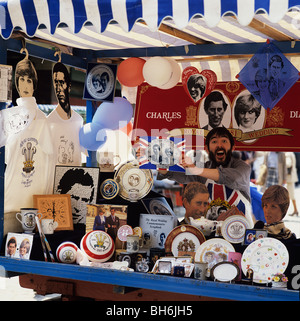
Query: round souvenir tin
[98, 246]
[66, 252]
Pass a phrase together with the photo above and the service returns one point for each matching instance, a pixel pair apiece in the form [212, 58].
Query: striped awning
[30, 15]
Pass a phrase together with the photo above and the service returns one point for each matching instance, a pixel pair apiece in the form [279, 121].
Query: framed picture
[81, 183]
[252, 235]
[158, 205]
[56, 207]
[18, 245]
[108, 218]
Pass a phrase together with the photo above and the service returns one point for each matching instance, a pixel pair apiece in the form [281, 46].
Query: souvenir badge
[66, 252]
[109, 189]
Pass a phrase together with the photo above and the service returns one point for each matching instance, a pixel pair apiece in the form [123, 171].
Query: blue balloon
[114, 115]
[92, 136]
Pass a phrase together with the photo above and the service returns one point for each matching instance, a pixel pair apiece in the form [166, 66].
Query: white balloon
[157, 71]
[175, 75]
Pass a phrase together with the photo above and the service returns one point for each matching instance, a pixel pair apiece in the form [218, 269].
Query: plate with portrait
[132, 179]
[184, 238]
[213, 251]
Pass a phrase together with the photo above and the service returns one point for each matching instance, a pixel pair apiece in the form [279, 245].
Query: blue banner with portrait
[268, 75]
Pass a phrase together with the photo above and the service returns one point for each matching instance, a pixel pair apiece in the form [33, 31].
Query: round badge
[123, 231]
[98, 246]
[100, 81]
[66, 252]
[109, 189]
[138, 231]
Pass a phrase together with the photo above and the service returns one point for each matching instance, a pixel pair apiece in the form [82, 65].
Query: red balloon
[130, 72]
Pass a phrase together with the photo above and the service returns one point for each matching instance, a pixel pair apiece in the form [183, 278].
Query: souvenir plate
[213, 251]
[266, 257]
[109, 189]
[98, 246]
[234, 228]
[163, 153]
[66, 252]
[123, 231]
[225, 272]
[133, 179]
[184, 238]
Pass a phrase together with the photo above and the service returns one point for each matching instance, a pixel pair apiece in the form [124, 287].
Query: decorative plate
[66, 252]
[163, 153]
[133, 179]
[186, 238]
[98, 246]
[266, 257]
[138, 231]
[234, 228]
[225, 272]
[123, 231]
[213, 251]
[109, 189]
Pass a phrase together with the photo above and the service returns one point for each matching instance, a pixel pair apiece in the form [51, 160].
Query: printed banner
[171, 113]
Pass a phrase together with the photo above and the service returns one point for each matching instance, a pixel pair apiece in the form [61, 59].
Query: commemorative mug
[132, 243]
[108, 161]
[201, 270]
[48, 225]
[26, 217]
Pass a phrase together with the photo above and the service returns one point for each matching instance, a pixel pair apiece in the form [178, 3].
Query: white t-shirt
[28, 156]
[65, 138]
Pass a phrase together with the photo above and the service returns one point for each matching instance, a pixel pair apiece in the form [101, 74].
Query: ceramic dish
[185, 238]
[123, 231]
[213, 251]
[109, 189]
[98, 246]
[266, 257]
[132, 179]
[234, 228]
[66, 252]
[225, 272]
[163, 153]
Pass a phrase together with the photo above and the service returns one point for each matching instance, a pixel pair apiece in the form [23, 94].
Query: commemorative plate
[266, 257]
[234, 228]
[109, 189]
[123, 231]
[185, 238]
[98, 246]
[213, 251]
[132, 179]
[225, 272]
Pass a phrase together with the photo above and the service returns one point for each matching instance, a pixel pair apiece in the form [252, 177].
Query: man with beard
[221, 169]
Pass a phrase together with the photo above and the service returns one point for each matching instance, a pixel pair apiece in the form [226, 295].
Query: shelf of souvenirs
[238, 290]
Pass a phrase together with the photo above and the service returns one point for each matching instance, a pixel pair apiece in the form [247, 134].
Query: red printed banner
[171, 113]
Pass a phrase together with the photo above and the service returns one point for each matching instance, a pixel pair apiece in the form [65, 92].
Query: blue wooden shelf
[148, 281]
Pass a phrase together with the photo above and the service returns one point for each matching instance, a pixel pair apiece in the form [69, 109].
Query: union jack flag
[233, 197]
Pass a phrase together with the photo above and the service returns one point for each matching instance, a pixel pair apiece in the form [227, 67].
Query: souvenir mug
[26, 217]
[133, 195]
[132, 243]
[201, 270]
[107, 161]
[48, 225]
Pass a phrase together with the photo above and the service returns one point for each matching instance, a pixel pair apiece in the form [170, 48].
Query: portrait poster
[82, 184]
[170, 113]
[100, 82]
[99, 217]
[18, 245]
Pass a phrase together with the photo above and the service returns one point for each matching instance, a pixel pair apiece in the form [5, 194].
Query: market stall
[217, 39]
